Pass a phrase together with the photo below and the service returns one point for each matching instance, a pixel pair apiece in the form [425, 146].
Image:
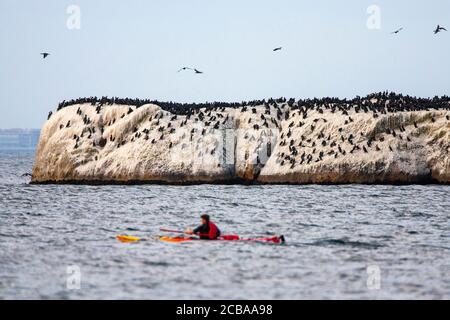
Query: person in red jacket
[207, 230]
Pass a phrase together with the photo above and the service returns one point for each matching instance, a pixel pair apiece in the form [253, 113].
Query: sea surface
[343, 242]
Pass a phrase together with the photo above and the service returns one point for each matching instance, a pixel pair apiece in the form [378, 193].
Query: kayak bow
[126, 239]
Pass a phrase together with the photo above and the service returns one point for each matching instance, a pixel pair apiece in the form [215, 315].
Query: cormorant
[439, 29]
[397, 31]
[184, 68]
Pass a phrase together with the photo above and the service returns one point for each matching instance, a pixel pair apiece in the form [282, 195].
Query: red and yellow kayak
[273, 240]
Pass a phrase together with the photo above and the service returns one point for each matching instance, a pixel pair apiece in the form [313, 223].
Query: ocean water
[343, 242]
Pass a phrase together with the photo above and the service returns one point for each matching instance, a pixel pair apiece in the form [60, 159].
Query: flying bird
[397, 31]
[277, 49]
[45, 54]
[184, 69]
[193, 69]
[439, 29]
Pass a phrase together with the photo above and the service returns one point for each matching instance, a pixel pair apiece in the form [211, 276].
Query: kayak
[273, 240]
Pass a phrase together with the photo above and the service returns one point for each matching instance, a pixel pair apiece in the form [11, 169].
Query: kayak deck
[177, 239]
[273, 240]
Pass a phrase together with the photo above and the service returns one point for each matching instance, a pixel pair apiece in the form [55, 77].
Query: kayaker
[207, 230]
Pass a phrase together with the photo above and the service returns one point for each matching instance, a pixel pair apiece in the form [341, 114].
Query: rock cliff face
[267, 143]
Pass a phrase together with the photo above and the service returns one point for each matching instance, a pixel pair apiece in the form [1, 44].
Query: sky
[134, 48]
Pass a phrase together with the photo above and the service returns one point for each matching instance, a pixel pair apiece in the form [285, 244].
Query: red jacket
[208, 231]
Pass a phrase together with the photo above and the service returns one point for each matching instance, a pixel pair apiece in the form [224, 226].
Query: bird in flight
[397, 31]
[184, 68]
[439, 29]
[45, 54]
[193, 69]
[277, 49]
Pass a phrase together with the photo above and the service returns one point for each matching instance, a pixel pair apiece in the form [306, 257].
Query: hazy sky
[134, 48]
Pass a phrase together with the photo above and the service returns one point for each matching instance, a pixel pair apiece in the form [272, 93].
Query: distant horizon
[21, 129]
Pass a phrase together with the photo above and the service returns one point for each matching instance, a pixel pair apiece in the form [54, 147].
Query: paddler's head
[205, 218]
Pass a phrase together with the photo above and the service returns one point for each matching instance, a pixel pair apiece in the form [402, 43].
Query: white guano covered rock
[123, 144]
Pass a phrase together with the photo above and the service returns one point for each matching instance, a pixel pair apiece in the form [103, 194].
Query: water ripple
[333, 233]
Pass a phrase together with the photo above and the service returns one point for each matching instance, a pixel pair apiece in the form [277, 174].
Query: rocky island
[382, 138]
